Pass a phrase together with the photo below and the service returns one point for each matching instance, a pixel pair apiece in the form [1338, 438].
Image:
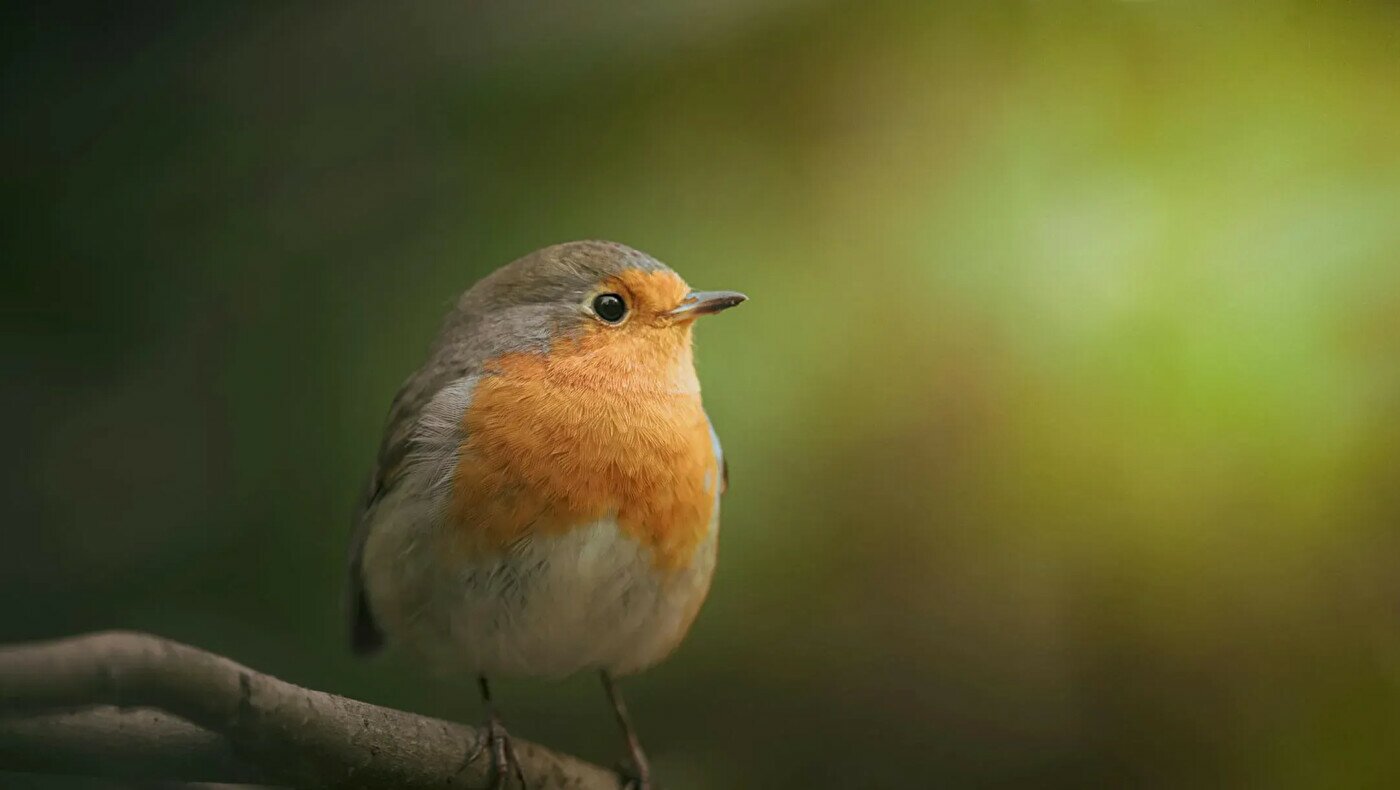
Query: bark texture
[133, 705]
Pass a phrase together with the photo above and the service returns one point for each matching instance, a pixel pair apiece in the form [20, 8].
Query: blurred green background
[1064, 422]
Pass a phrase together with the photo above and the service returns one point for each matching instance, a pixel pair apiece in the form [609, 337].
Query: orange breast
[603, 424]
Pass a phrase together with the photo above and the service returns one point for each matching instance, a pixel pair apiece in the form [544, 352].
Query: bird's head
[603, 314]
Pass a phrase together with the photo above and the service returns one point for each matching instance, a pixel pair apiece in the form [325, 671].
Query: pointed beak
[698, 303]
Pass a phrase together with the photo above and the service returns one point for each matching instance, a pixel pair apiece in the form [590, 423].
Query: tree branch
[135, 705]
[115, 743]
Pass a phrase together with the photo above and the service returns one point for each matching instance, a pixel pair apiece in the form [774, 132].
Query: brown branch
[127, 744]
[135, 705]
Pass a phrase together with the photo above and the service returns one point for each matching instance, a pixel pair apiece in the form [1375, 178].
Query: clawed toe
[504, 761]
[635, 780]
[503, 757]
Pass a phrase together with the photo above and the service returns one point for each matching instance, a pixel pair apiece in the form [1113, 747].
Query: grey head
[525, 304]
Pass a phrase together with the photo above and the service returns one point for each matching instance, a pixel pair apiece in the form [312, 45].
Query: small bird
[546, 496]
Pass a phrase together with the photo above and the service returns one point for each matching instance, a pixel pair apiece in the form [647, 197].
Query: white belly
[550, 606]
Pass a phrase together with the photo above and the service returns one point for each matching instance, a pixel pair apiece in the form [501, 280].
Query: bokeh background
[1064, 421]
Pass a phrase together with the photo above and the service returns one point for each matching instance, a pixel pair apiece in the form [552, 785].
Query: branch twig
[135, 705]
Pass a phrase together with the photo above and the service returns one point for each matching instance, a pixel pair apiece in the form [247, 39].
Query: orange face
[647, 350]
[649, 295]
[608, 422]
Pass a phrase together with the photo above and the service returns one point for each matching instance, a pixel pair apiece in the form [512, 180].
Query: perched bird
[546, 496]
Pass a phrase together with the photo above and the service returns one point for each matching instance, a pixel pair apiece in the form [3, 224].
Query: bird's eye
[610, 307]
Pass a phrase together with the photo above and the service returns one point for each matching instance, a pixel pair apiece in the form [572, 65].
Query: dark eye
[610, 307]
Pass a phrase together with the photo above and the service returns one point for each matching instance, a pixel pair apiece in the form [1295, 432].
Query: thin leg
[634, 746]
[503, 757]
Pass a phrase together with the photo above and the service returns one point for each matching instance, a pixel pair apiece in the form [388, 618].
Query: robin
[546, 496]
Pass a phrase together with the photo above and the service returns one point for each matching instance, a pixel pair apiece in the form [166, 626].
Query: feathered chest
[555, 442]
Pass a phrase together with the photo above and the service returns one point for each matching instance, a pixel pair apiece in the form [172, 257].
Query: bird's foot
[636, 775]
[503, 758]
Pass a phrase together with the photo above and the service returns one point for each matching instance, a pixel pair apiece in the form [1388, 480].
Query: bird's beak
[698, 303]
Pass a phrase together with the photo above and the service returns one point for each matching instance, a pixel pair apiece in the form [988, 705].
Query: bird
[545, 500]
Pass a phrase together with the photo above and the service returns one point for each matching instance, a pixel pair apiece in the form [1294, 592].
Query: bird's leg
[503, 757]
[634, 747]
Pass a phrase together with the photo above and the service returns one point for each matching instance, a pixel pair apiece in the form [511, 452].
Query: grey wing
[365, 636]
[404, 415]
